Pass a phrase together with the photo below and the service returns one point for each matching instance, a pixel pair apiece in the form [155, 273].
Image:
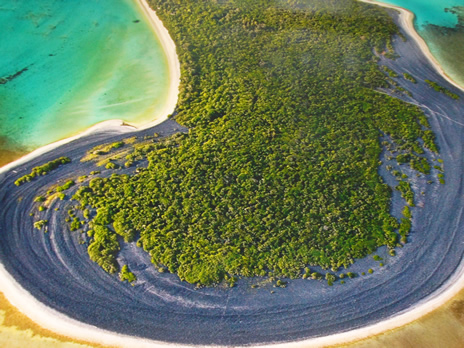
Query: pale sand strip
[169, 49]
[407, 23]
[57, 322]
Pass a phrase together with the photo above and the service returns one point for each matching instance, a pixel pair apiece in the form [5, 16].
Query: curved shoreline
[121, 126]
[407, 23]
[169, 49]
[60, 323]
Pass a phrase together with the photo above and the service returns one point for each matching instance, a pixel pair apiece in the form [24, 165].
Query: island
[306, 137]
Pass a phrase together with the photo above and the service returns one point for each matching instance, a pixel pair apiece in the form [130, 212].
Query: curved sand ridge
[403, 287]
[407, 23]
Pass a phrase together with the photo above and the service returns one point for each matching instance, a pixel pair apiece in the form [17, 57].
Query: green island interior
[279, 170]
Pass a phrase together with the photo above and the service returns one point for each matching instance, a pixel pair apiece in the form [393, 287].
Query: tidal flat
[241, 311]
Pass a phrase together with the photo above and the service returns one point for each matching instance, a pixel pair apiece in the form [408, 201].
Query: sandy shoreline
[64, 325]
[121, 126]
[407, 23]
[169, 49]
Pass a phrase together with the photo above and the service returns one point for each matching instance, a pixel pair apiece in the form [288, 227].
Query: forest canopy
[279, 169]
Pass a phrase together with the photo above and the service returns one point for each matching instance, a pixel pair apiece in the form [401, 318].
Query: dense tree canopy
[279, 170]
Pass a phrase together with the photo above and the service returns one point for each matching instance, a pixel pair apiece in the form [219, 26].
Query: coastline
[58, 322]
[169, 49]
[19, 297]
[121, 126]
[406, 19]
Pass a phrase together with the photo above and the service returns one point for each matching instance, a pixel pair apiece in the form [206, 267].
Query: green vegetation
[330, 278]
[420, 164]
[409, 77]
[406, 192]
[65, 186]
[389, 71]
[126, 274]
[279, 169]
[407, 212]
[403, 90]
[405, 224]
[82, 178]
[103, 248]
[441, 178]
[103, 149]
[39, 199]
[441, 89]
[351, 275]
[42, 170]
[40, 224]
[111, 165]
[75, 224]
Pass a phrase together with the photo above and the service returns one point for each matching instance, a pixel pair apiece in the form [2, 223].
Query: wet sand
[406, 21]
[424, 275]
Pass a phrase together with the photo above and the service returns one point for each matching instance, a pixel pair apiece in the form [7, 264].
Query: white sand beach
[57, 322]
[169, 49]
[407, 23]
[121, 126]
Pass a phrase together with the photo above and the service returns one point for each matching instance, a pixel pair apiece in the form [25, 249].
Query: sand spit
[60, 323]
[120, 126]
[407, 23]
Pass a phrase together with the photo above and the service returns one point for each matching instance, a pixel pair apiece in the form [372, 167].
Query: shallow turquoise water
[87, 61]
[440, 30]
[430, 11]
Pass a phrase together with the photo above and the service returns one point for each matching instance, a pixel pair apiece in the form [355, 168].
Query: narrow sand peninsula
[407, 23]
[55, 321]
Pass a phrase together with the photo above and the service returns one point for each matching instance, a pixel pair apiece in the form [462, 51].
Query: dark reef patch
[442, 38]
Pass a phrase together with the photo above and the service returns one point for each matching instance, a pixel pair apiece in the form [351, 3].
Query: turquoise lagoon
[441, 24]
[67, 65]
[84, 62]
